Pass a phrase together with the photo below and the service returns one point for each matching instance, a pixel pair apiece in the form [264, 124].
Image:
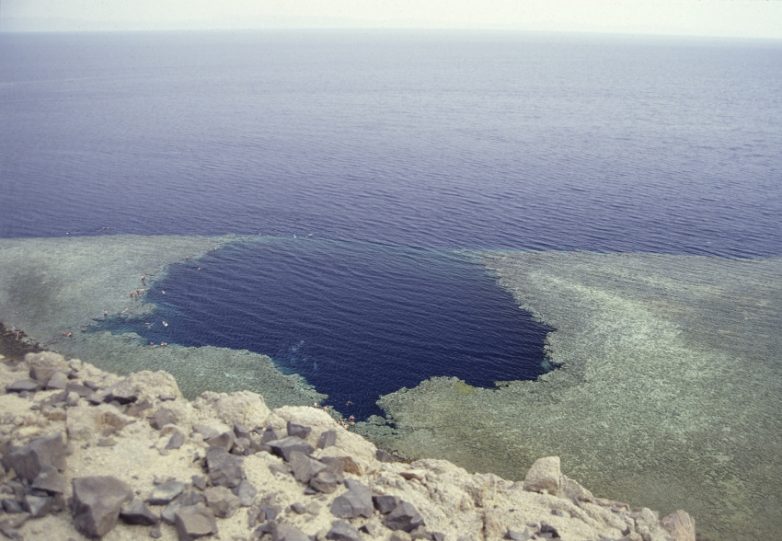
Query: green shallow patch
[53, 286]
[667, 394]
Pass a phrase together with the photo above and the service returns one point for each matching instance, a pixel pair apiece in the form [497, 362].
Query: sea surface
[375, 159]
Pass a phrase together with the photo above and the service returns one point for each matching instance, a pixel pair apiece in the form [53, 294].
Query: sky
[727, 18]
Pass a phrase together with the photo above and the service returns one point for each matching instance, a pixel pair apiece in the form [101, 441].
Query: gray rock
[303, 467]
[124, 392]
[37, 506]
[285, 532]
[262, 514]
[176, 440]
[298, 430]
[246, 493]
[372, 529]
[224, 440]
[164, 493]
[50, 480]
[224, 469]
[404, 517]
[137, 512]
[28, 461]
[241, 431]
[81, 390]
[12, 506]
[199, 481]
[549, 531]
[162, 417]
[96, 503]
[26, 385]
[221, 501]
[327, 439]
[298, 508]
[269, 434]
[42, 373]
[194, 521]
[285, 446]
[343, 531]
[356, 502]
[155, 532]
[326, 481]
[544, 476]
[59, 380]
[187, 498]
[385, 503]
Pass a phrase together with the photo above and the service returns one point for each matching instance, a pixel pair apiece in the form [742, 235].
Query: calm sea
[373, 156]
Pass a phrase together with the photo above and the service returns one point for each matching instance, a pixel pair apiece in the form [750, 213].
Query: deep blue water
[401, 146]
[357, 320]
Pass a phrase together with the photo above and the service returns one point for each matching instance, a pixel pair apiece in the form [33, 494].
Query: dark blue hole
[356, 320]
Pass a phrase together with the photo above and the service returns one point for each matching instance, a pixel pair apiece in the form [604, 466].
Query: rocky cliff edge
[87, 454]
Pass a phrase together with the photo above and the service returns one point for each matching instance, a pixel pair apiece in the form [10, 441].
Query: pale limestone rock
[239, 408]
[680, 525]
[544, 475]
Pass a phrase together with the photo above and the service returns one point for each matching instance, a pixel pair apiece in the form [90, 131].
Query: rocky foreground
[89, 454]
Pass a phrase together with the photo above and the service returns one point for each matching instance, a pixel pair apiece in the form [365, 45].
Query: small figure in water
[165, 323]
[67, 334]
[144, 280]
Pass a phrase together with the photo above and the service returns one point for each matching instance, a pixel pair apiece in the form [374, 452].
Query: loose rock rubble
[87, 455]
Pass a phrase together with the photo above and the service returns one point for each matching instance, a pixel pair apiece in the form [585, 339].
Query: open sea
[375, 159]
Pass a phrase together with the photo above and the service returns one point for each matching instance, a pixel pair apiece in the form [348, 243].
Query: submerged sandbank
[667, 394]
[56, 289]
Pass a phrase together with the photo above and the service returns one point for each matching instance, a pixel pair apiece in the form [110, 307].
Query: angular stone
[224, 440]
[124, 392]
[298, 430]
[12, 506]
[29, 460]
[269, 434]
[246, 493]
[50, 480]
[326, 481]
[544, 476]
[404, 517]
[224, 469]
[194, 521]
[176, 440]
[286, 532]
[137, 512]
[59, 380]
[304, 468]
[23, 386]
[327, 438]
[385, 503]
[356, 502]
[37, 506]
[343, 531]
[187, 498]
[298, 508]
[165, 492]
[96, 503]
[680, 525]
[81, 390]
[285, 446]
[162, 417]
[221, 501]
[199, 481]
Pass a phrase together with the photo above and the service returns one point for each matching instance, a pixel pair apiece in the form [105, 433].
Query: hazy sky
[744, 18]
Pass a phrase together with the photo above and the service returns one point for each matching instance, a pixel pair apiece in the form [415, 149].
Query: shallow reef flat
[667, 390]
[56, 289]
